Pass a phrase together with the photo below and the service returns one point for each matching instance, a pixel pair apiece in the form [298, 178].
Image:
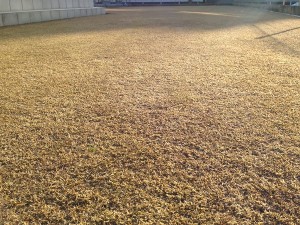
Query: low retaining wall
[13, 12]
[294, 10]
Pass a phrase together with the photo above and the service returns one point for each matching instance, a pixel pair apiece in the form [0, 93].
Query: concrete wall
[26, 5]
[13, 12]
[294, 10]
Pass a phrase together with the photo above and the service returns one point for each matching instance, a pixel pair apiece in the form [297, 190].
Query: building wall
[272, 5]
[26, 5]
[13, 12]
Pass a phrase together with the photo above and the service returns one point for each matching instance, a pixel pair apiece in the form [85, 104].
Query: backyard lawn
[152, 115]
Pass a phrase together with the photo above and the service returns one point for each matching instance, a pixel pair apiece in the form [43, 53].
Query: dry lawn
[155, 115]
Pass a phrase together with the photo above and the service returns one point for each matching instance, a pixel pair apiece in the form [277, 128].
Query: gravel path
[154, 115]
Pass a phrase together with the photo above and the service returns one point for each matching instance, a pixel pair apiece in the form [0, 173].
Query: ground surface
[171, 115]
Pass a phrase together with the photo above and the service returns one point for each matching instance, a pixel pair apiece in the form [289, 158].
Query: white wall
[26, 5]
[4, 5]
[14, 12]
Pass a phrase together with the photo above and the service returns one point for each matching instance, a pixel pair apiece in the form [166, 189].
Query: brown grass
[156, 115]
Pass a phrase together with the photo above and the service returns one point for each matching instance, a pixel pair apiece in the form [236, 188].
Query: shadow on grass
[281, 32]
[277, 44]
[192, 18]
